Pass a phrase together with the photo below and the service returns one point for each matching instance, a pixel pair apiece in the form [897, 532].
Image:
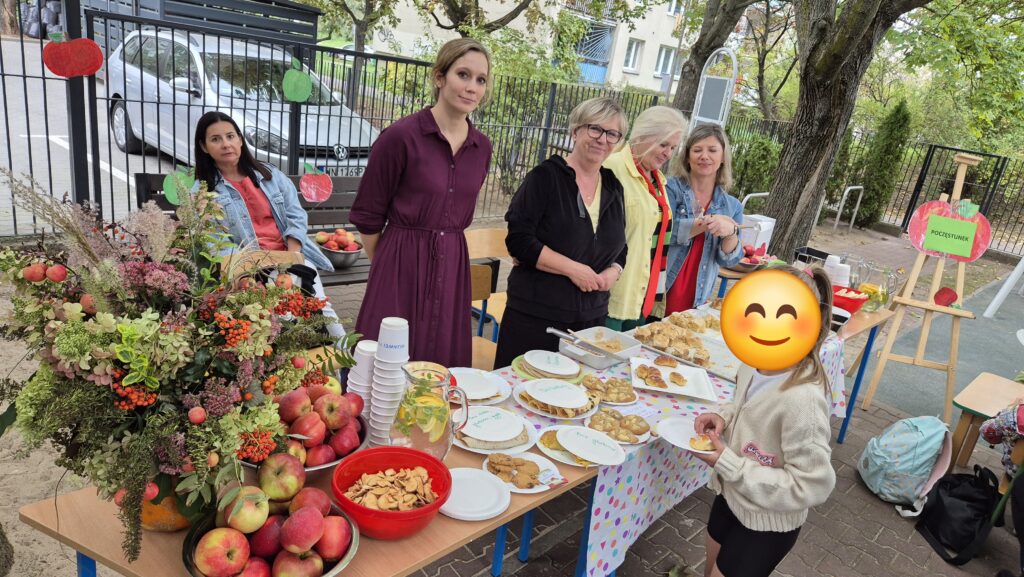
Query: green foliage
[754, 162]
[882, 162]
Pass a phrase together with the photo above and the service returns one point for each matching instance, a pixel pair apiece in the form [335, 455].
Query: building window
[666, 61]
[633, 50]
[675, 7]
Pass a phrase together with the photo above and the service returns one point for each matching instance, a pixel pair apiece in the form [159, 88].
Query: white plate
[476, 495]
[678, 431]
[475, 383]
[641, 439]
[592, 445]
[531, 433]
[490, 423]
[698, 385]
[560, 456]
[552, 363]
[549, 475]
[521, 387]
[557, 393]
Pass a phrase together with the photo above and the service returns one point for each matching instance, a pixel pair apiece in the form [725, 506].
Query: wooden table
[858, 323]
[91, 527]
[985, 396]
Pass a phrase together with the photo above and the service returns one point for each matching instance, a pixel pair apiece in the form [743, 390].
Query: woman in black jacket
[567, 233]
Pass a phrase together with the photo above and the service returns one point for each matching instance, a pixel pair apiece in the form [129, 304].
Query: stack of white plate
[360, 376]
[389, 380]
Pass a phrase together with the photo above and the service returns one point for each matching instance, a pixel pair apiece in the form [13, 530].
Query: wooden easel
[906, 299]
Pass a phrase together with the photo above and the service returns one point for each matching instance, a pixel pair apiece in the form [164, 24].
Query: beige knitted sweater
[777, 460]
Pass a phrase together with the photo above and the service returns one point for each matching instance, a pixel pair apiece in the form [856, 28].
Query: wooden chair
[489, 243]
[985, 396]
[481, 280]
[484, 352]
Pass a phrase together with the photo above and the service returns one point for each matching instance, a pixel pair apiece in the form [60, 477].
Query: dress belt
[435, 235]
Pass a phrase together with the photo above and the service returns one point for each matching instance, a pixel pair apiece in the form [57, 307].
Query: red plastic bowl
[847, 304]
[390, 525]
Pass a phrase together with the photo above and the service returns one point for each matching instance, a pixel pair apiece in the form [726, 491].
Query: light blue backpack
[901, 464]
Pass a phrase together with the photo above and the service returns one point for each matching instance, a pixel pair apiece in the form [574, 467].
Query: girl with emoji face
[414, 203]
[776, 461]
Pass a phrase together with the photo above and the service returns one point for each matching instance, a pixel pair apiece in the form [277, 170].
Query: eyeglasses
[595, 132]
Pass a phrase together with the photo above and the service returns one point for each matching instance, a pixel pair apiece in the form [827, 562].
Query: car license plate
[343, 170]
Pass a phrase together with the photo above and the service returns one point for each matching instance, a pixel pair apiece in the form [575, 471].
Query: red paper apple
[315, 186]
[919, 226]
[78, 57]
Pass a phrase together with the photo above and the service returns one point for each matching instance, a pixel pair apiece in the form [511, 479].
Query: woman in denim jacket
[261, 205]
[706, 218]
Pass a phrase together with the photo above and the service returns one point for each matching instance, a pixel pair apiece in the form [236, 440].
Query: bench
[327, 215]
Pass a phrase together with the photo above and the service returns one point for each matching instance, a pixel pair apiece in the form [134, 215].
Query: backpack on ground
[903, 463]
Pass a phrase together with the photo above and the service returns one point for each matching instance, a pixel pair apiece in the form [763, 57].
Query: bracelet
[618, 267]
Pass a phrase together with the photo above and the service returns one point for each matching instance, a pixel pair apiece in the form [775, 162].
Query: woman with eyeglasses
[566, 232]
[656, 134]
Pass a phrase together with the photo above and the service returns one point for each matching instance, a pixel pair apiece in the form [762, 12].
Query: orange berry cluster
[234, 331]
[313, 378]
[256, 446]
[132, 396]
[269, 384]
[298, 305]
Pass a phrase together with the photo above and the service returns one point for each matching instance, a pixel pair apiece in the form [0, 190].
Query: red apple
[119, 496]
[340, 239]
[308, 564]
[311, 497]
[333, 385]
[344, 441]
[331, 245]
[197, 415]
[255, 567]
[312, 428]
[320, 455]
[284, 281]
[302, 530]
[317, 391]
[293, 405]
[322, 237]
[248, 511]
[334, 410]
[351, 247]
[57, 273]
[281, 476]
[295, 448]
[151, 491]
[266, 541]
[222, 552]
[336, 539]
[299, 362]
[353, 424]
[356, 402]
[88, 304]
[34, 272]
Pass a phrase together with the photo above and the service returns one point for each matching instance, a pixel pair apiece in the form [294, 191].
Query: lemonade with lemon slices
[423, 420]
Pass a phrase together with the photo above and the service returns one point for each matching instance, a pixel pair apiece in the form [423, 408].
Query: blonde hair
[452, 51]
[810, 369]
[681, 164]
[654, 126]
[596, 111]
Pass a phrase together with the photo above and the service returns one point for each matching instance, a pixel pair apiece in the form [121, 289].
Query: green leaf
[188, 483]
[8, 417]
[309, 169]
[296, 64]
[228, 498]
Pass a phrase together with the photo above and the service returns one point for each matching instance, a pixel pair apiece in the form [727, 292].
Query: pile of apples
[752, 255]
[340, 239]
[322, 423]
[279, 529]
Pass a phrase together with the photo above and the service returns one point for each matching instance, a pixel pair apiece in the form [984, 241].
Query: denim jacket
[289, 215]
[681, 199]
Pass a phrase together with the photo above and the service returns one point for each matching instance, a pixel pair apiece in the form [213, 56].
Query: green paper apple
[298, 86]
[175, 181]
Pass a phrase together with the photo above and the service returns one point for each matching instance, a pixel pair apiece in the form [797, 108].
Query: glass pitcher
[879, 283]
[424, 419]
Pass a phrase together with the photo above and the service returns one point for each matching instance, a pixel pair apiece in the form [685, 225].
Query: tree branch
[856, 20]
[351, 14]
[792, 65]
[504, 20]
[438, 20]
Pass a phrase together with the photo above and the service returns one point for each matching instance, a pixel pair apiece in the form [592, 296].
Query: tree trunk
[9, 18]
[355, 80]
[6, 554]
[720, 18]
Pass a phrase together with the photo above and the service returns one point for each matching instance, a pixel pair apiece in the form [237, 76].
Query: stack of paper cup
[388, 377]
[360, 377]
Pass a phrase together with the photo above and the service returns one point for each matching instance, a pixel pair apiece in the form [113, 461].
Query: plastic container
[850, 305]
[390, 525]
[630, 347]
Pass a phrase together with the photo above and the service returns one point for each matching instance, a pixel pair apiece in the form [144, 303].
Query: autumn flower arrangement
[155, 376]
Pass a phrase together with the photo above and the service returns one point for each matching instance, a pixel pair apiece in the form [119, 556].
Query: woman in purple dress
[415, 200]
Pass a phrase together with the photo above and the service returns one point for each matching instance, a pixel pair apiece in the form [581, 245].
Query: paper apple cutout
[78, 57]
[315, 186]
[175, 181]
[919, 226]
[297, 85]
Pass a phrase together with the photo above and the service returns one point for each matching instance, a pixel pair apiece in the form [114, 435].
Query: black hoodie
[548, 210]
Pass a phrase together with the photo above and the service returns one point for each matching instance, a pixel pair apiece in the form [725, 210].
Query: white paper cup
[359, 379]
[383, 408]
[381, 365]
[365, 349]
[391, 385]
[393, 339]
[388, 397]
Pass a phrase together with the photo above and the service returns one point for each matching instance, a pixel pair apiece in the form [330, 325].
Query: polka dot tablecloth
[655, 476]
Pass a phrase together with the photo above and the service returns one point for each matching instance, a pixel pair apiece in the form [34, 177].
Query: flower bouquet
[156, 376]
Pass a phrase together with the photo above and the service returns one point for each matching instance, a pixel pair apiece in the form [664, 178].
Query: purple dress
[423, 199]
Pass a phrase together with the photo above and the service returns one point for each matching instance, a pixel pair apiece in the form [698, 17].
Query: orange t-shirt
[263, 223]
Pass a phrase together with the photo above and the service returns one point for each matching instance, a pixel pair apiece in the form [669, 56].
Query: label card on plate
[557, 393]
[592, 445]
[492, 424]
[554, 363]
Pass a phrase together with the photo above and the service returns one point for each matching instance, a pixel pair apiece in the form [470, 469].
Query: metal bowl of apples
[298, 564]
[340, 247]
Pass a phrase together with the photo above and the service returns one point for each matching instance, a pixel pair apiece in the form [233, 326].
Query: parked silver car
[160, 83]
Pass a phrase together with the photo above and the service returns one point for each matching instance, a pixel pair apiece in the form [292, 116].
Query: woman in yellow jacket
[656, 134]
